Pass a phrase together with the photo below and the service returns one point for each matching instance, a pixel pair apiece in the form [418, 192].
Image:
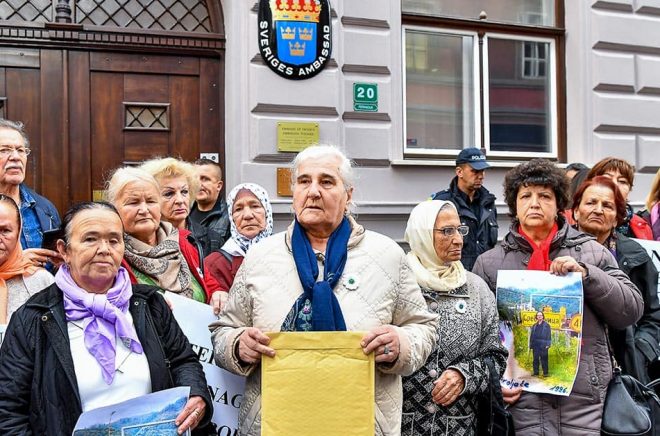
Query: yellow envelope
[318, 383]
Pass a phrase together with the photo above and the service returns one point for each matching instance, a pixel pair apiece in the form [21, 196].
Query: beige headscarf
[424, 262]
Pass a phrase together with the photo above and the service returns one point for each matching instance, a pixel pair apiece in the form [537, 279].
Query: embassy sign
[295, 36]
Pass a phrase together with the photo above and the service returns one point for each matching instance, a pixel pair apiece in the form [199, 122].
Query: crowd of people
[88, 325]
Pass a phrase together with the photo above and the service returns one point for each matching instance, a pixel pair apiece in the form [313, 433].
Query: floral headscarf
[238, 244]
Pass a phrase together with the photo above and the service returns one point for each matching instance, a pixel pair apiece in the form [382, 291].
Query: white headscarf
[238, 244]
[423, 260]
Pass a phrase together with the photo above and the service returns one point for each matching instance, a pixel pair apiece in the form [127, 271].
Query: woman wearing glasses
[441, 398]
[540, 239]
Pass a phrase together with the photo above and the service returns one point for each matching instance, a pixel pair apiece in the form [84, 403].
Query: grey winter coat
[610, 298]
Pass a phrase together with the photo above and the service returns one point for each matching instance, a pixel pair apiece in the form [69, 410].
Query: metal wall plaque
[295, 137]
[284, 182]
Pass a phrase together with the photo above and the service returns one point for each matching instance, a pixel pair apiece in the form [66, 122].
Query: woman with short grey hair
[365, 285]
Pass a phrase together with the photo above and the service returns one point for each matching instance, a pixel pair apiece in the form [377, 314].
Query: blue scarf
[325, 312]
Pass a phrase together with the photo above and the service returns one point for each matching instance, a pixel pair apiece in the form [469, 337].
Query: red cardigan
[191, 255]
[223, 270]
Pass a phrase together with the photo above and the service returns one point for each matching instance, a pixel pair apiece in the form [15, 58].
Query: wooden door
[135, 107]
[32, 91]
[87, 113]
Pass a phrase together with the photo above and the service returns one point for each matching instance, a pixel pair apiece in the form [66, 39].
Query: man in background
[210, 209]
[38, 215]
[475, 205]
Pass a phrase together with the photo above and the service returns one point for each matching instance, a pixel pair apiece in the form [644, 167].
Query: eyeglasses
[450, 231]
[6, 151]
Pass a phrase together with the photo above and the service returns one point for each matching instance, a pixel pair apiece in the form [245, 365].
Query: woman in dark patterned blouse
[441, 398]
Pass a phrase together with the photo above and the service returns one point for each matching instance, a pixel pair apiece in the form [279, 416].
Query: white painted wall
[613, 103]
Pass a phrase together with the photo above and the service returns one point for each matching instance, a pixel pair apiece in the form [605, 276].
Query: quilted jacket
[383, 291]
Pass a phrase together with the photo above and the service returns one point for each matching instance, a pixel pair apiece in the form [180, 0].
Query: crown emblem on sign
[297, 49]
[288, 32]
[296, 10]
[306, 34]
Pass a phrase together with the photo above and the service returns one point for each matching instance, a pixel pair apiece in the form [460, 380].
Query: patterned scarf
[540, 259]
[163, 263]
[422, 258]
[104, 317]
[238, 244]
[318, 309]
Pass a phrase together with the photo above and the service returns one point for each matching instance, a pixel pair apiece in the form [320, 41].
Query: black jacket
[540, 336]
[205, 239]
[38, 386]
[636, 346]
[217, 220]
[483, 226]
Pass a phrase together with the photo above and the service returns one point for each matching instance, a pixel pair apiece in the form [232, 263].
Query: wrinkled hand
[40, 256]
[511, 395]
[252, 344]
[218, 299]
[384, 342]
[448, 387]
[191, 415]
[565, 264]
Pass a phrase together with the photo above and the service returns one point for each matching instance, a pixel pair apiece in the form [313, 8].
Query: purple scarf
[103, 315]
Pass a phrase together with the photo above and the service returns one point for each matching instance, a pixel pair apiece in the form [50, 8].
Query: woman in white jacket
[366, 285]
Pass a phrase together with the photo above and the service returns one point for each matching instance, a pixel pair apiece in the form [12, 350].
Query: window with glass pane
[526, 12]
[440, 91]
[519, 94]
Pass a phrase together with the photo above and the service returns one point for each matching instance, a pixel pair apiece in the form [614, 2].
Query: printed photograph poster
[152, 414]
[541, 326]
[226, 389]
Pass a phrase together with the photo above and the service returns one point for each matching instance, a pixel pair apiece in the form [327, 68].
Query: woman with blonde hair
[157, 253]
[178, 186]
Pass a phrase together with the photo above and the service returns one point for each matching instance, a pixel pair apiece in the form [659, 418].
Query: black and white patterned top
[467, 331]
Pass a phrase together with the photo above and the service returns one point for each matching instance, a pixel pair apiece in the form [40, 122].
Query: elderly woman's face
[248, 214]
[175, 199]
[139, 208]
[596, 213]
[95, 249]
[621, 181]
[536, 208]
[9, 231]
[319, 196]
[447, 248]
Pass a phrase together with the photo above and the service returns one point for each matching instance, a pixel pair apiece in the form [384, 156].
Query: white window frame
[534, 62]
[476, 135]
[551, 73]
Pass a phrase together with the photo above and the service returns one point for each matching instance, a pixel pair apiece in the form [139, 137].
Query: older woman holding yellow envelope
[325, 273]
